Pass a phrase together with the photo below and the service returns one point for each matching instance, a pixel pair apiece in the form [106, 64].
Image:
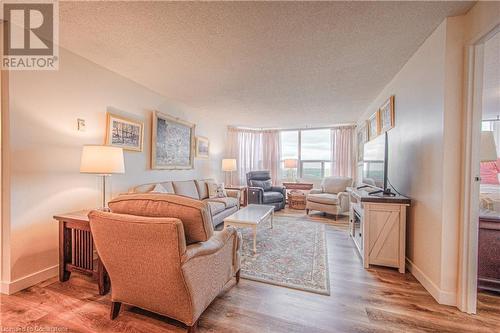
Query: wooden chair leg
[194, 328]
[115, 310]
[238, 276]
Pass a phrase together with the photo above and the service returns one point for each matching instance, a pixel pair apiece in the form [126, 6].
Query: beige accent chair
[332, 198]
[163, 255]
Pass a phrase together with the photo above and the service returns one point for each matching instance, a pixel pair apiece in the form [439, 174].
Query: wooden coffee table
[250, 217]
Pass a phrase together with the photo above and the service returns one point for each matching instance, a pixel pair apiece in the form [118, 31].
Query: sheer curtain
[253, 150]
[344, 152]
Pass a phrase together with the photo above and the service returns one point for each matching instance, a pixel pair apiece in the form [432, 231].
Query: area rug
[293, 254]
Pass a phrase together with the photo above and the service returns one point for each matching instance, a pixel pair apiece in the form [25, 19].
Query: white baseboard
[441, 296]
[27, 281]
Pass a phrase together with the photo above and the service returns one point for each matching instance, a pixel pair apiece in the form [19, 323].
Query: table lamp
[488, 150]
[102, 161]
[229, 165]
[291, 164]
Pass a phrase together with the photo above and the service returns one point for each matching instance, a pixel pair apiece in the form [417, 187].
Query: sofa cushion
[324, 198]
[146, 188]
[202, 187]
[194, 214]
[216, 207]
[335, 184]
[159, 189]
[270, 197]
[264, 184]
[227, 201]
[186, 188]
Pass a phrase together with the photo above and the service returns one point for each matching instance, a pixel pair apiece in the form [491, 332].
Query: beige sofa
[331, 198]
[163, 255]
[198, 189]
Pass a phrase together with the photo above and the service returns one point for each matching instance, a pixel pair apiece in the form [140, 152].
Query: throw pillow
[489, 173]
[159, 189]
[216, 190]
[264, 184]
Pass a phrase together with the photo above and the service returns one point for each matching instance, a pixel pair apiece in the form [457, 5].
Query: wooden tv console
[377, 225]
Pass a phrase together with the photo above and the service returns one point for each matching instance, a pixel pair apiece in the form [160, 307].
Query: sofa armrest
[343, 201]
[255, 195]
[234, 194]
[316, 191]
[280, 189]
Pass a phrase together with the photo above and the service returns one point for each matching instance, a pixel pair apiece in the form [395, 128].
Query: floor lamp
[229, 165]
[102, 161]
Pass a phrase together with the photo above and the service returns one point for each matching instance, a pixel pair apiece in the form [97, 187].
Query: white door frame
[467, 275]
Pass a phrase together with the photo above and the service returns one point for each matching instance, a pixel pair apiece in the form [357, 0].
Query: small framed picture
[124, 132]
[202, 147]
[387, 115]
[362, 136]
[374, 125]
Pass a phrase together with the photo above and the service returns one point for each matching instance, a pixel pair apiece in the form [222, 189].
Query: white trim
[467, 270]
[441, 296]
[27, 281]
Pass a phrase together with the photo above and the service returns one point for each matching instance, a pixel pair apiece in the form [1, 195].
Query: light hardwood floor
[374, 300]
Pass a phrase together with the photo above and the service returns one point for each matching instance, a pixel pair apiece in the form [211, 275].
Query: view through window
[311, 148]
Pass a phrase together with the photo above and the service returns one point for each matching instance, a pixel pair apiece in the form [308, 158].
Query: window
[313, 151]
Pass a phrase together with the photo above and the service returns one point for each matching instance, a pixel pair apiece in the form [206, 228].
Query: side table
[76, 250]
[243, 190]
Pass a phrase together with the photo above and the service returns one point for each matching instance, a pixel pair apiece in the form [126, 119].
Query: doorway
[480, 251]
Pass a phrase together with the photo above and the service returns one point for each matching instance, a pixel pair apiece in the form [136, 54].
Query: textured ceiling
[265, 64]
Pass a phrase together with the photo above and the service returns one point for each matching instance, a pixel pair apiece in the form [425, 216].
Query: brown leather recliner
[163, 255]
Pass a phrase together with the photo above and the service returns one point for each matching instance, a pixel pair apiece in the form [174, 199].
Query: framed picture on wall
[374, 125]
[202, 147]
[124, 132]
[387, 115]
[172, 144]
[362, 136]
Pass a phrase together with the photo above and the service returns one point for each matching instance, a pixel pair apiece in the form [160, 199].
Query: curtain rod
[291, 129]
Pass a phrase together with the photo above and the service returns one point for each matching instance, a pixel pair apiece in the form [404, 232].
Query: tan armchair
[332, 198]
[162, 254]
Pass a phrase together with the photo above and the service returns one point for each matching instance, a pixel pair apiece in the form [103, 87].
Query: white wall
[45, 151]
[420, 152]
[425, 147]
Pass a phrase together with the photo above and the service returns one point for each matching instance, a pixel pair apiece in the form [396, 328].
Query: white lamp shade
[291, 163]
[102, 160]
[229, 164]
[488, 150]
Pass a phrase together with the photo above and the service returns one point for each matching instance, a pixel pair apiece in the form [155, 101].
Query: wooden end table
[76, 250]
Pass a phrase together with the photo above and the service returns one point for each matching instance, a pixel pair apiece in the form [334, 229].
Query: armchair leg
[115, 310]
[335, 217]
[307, 211]
[193, 328]
[238, 276]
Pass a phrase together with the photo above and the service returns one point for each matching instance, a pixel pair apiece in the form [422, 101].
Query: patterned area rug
[293, 254]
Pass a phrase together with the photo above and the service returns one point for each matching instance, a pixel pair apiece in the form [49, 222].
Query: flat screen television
[375, 164]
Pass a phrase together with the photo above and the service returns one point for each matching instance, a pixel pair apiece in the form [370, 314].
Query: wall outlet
[81, 124]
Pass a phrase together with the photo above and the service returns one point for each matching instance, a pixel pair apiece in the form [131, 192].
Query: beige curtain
[253, 150]
[344, 152]
[271, 153]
